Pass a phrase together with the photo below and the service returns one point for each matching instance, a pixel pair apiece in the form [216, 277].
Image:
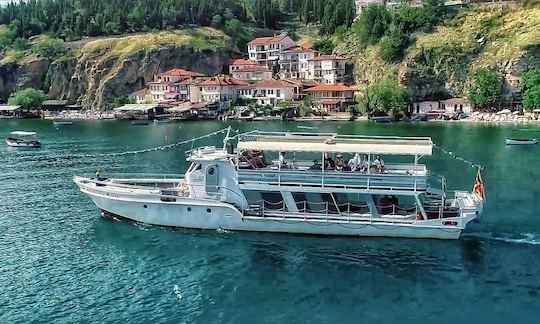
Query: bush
[28, 98]
[120, 101]
[384, 95]
[393, 46]
[372, 24]
[484, 87]
[531, 82]
[48, 47]
[325, 46]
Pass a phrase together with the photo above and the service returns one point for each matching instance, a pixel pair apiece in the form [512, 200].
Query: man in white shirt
[379, 164]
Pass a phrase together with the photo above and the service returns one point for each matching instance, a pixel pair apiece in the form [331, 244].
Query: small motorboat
[139, 122]
[62, 123]
[382, 119]
[521, 141]
[16, 139]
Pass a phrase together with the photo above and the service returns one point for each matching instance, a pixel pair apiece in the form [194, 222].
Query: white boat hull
[214, 215]
[532, 141]
[20, 143]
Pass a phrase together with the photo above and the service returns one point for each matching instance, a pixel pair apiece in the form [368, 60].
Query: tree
[28, 98]
[384, 95]
[49, 47]
[372, 24]
[325, 46]
[120, 101]
[531, 82]
[484, 87]
[393, 46]
[216, 21]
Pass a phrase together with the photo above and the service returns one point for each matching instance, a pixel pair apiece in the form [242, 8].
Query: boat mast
[226, 139]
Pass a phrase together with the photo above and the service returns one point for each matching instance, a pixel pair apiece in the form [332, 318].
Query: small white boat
[521, 141]
[15, 140]
[62, 123]
[140, 122]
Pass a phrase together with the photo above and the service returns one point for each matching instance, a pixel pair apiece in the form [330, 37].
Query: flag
[479, 186]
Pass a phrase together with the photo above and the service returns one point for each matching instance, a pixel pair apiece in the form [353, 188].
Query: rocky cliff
[504, 38]
[107, 68]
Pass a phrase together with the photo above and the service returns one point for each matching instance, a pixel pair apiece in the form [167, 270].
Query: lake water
[61, 262]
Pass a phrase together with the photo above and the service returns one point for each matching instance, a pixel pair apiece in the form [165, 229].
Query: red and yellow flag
[479, 186]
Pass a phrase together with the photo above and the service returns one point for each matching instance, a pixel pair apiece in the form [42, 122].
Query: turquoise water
[62, 262]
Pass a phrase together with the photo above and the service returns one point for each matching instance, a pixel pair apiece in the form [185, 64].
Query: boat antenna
[226, 139]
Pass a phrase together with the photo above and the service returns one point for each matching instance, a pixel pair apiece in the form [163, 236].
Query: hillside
[437, 63]
[99, 70]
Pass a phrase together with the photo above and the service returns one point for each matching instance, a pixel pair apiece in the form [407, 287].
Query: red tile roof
[223, 80]
[328, 58]
[275, 84]
[253, 68]
[242, 62]
[297, 49]
[140, 92]
[456, 101]
[267, 40]
[330, 87]
[330, 101]
[181, 72]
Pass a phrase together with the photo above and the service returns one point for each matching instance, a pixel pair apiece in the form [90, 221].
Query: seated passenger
[281, 161]
[346, 168]
[364, 166]
[316, 166]
[354, 162]
[340, 162]
[329, 164]
[385, 205]
[379, 164]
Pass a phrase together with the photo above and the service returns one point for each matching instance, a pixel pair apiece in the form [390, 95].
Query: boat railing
[333, 179]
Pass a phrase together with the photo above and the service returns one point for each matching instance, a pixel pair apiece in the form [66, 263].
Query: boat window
[212, 179]
[315, 202]
[356, 203]
[396, 205]
[272, 199]
[194, 166]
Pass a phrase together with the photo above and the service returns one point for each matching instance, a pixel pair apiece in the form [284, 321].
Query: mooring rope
[451, 154]
[153, 149]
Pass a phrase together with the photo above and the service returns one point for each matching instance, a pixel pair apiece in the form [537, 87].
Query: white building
[172, 85]
[265, 50]
[456, 105]
[327, 69]
[362, 4]
[270, 92]
[335, 97]
[221, 88]
[247, 70]
[140, 96]
[420, 107]
[294, 62]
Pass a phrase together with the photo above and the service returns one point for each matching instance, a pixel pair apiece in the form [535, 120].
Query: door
[212, 179]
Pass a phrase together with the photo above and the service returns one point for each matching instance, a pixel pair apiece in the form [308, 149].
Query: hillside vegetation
[437, 63]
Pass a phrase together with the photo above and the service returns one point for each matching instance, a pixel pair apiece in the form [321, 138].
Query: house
[221, 89]
[7, 111]
[247, 70]
[303, 86]
[140, 96]
[175, 75]
[326, 69]
[334, 97]
[425, 106]
[270, 92]
[172, 85]
[363, 4]
[293, 62]
[265, 50]
[455, 105]
[136, 111]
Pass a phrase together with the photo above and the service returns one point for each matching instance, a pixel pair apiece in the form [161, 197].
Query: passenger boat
[225, 189]
[382, 119]
[16, 139]
[521, 141]
[140, 122]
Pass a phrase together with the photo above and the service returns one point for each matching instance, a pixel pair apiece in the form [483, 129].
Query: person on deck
[354, 163]
[379, 164]
[316, 166]
[340, 162]
[364, 166]
[329, 164]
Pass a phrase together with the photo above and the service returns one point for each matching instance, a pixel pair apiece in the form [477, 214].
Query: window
[278, 93]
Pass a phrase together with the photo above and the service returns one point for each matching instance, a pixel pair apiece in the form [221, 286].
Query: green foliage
[340, 33]
[325, 46]
[265, 13]
[48, 47]
[384, 95]
[306, 107]
[217, 21]
[47, 83]
[372, 24]
[484, 87]
[531, 81]
[120, 101]
[28, 98]
[393, 46]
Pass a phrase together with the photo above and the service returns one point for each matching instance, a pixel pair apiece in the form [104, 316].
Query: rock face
[94, 83]
[14, 76]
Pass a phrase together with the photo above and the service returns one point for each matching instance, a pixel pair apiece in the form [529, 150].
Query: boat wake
[519, 238]
[306, 127]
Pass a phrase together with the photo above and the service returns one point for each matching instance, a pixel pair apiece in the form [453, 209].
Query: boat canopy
[23, 133]
[334, 143]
